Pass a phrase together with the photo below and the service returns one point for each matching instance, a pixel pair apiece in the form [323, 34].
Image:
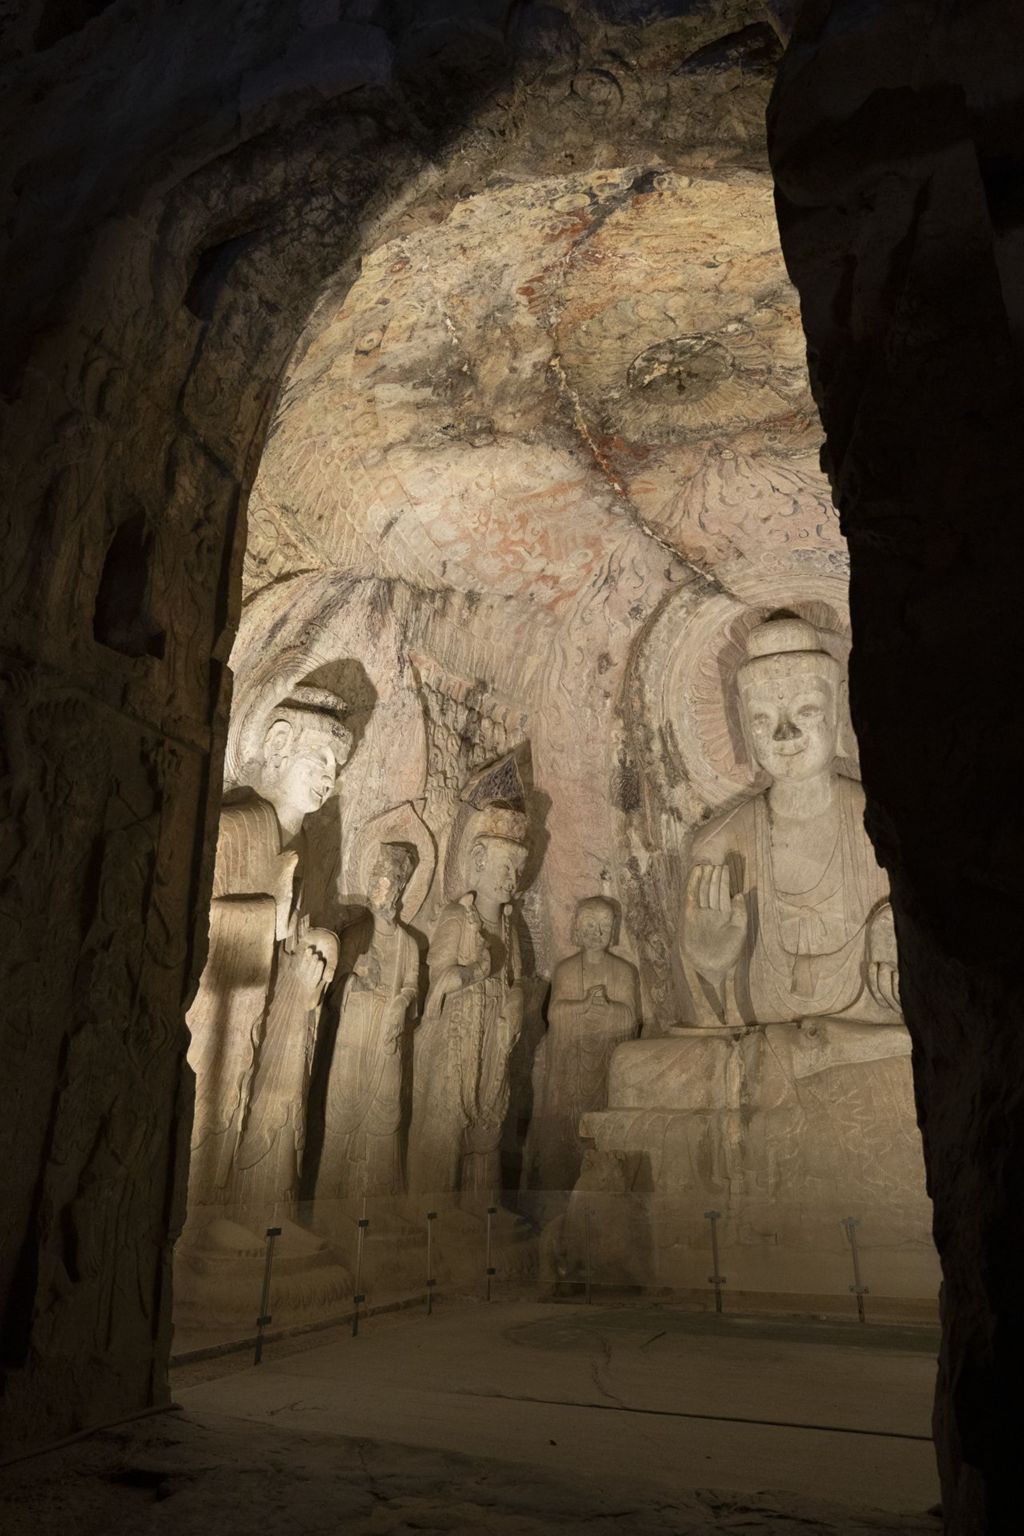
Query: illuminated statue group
[785, 917]
[258, 1013]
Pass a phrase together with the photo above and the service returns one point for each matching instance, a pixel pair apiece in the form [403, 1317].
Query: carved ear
[278, 738]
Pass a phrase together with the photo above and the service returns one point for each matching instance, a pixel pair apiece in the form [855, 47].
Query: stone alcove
[537, 473]
[245, 181]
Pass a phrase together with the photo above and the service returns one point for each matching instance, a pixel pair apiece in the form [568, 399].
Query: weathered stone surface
[199, 1468]
[594, 1007]
[897, 208]
[177, 207]
[787, 1132]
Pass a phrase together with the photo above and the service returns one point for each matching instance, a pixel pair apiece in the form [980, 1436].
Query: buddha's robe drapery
[252, 1028]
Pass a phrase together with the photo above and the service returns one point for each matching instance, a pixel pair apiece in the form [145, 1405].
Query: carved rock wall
[179, 187]
[897, 171]
[506, 417]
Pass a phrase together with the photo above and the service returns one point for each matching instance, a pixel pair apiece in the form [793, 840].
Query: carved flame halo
[400, 824]
[492, 804]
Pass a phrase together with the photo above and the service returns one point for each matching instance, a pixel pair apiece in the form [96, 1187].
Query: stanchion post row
[431, 1218]
[264, 1317]
[717, 1279]
[586, 1251]
[358, 1298]
[489, 1270]
[858, 1288]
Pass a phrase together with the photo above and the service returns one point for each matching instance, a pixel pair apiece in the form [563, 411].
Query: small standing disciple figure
[594, 1006]
[787, 915]
[378, 978]
[254, 1018]
[472, 1020]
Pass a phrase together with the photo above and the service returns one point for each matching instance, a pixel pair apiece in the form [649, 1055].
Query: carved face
[594, 927]
[301, 768]
[497, 866]
[385, 887]
[793, 725]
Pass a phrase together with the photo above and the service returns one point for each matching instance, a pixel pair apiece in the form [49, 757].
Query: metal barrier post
[264, 1317]
[717, 1279]
[586, 1250]
[363, 1226]
[431, 1218]
[489, 1270]
[858, 1288]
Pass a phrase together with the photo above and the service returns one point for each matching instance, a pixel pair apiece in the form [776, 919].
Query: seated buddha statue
[786, 914]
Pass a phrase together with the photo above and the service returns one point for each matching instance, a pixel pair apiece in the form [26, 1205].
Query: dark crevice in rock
[213, 268]
[122, 619]
[60, 18]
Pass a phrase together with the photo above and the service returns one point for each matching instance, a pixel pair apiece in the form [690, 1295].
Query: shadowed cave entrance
[535, 483]
[116, 733]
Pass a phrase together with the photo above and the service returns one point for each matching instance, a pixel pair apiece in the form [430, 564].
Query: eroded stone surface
[178, 208]
[186, 1471]
[892, 173]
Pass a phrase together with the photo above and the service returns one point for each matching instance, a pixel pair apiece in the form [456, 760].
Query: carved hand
[312, 956]
[714, 921]
[310, 971]
[596, 996]
[326, 945]
[883, 960]
[393, 1022]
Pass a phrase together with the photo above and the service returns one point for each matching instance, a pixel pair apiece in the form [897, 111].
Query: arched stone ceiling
[540, 414]
[567, 378]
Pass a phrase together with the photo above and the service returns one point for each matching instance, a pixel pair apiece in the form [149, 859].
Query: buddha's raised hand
[714, 921]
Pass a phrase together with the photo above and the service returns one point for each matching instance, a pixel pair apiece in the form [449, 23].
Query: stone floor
[519, 1418]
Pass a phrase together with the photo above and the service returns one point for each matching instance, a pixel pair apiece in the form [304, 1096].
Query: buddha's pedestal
[786, 1130]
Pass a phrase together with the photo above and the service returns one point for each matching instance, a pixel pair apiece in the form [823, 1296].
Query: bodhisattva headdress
[491, 808]
[501, 823]
[315, 711]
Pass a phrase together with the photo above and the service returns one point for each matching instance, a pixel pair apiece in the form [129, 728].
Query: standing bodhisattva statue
[787, 914]
[254, 1018]
[472, 1020]
[380, 964]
